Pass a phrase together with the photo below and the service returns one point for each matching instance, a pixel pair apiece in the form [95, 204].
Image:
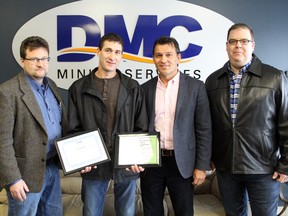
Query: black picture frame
[80, 150]
[142, 149]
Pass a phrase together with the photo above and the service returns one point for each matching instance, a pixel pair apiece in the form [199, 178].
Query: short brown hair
[31, 43]
[111, 37]
[241, 25]
[167, 40]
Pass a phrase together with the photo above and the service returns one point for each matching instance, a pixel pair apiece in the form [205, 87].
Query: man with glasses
[249, 103]
[32, 116]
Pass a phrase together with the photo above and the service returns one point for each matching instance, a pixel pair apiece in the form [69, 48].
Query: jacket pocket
[266, 145]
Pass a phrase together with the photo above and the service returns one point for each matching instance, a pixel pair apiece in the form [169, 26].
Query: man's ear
[22, 62]
[97, 50]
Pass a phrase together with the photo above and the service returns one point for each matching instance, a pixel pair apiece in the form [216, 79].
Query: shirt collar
[242, 70]
[36, 85]
[173, 81]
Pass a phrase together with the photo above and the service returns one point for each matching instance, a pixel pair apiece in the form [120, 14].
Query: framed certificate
[81, 150]
[137, 148]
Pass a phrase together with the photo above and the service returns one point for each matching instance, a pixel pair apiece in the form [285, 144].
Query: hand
[18, 190]
[280, 177]
[135, 168]
[88, 169]
[198, 177]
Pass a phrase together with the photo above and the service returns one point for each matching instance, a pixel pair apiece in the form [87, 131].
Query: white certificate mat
[137, 148]
[81, 150]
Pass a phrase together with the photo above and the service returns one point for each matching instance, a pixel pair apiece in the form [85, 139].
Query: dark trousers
[155, 180]
[261, 191]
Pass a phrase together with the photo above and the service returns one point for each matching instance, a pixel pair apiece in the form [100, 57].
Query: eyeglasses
[37, 60]
[242, 41]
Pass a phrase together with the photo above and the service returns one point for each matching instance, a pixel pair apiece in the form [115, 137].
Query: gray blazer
[192, 124]
[23, 134]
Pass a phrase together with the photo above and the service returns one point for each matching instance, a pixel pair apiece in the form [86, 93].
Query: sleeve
[9, 171]
[282, 165]
[73, 112]
[203, 130]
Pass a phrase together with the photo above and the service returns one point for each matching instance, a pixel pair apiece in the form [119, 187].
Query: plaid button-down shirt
[235, 82]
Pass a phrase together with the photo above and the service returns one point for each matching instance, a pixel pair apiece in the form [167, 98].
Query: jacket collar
[29, 99]
[89, 84]
[255, 67]
[126, 84]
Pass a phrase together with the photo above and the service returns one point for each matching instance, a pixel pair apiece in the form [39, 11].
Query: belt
[167, 153]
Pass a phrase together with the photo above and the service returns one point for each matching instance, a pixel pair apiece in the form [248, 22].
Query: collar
[174, 80]
[36, 85]
[255, 68]
[242, 70]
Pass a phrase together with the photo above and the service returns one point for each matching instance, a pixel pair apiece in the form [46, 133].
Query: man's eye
[232, 41]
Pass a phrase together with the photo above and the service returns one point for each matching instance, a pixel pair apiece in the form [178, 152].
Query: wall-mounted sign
[73, 31]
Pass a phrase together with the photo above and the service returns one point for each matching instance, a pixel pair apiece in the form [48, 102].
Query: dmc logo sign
[147, 29]
[73, 32]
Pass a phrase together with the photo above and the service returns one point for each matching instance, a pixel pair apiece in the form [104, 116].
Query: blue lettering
[146, 31]
[64, 36]
[168, 24]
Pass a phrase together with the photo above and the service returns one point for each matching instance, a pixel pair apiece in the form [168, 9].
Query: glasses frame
[242, 41]
[36, 60]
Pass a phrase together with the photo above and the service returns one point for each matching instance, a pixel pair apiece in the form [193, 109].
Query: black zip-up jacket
[258, 143]
[86, 111]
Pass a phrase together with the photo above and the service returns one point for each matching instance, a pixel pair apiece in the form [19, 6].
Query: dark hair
[111, 37]
[167, 40]
[243, 26]
[32, 43]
